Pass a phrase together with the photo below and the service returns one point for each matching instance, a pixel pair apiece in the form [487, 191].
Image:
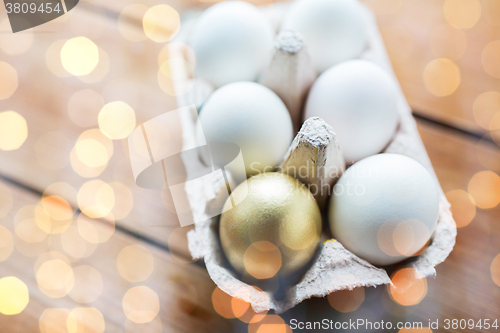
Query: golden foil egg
[274, 228]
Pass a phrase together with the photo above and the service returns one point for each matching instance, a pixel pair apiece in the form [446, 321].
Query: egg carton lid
[335, 268]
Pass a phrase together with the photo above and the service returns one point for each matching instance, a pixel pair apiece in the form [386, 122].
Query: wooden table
[458, 147]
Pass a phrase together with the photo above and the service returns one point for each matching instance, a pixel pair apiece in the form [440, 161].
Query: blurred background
[84, 249]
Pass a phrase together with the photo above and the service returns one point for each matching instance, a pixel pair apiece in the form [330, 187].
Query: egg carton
[290, 75]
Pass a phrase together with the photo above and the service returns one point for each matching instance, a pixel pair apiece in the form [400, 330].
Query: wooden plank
[184, 290]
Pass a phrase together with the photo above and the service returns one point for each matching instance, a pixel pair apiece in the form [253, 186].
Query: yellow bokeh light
[6, 200]
[79, 56]
[53, 58]
[13, 130]
[126, 25]
[141, 304]
[92, 153]
[484, 187]
[269, 324]
[441, 77]
[51, 148]
[347, 300]
[176, 50]
[262, 260]
[242, 309]
[75, 245]
[14, 44]
[486, 109]
[491, 11]
[14, 295]
[86, 320]
[462, 14]
[54, 320]
[161, 23]
[135, 263]
[154, 326]
[95, 231]
[100, 71]
[9, 81]
[28, 231]
[88, 284]
[53, 214]
[408, 287]
[495, 270]
[6, 243]
[463, 207]
[83, 169]
[124, 200]
[447, 41]
[55, 278]
[96, 199]
[84, 106]
[175, 76]
[116, 120]
[489, 57]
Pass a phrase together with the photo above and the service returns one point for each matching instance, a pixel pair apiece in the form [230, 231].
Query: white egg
[232, 41]
[359, 100]
[384, 208]
[333, 30]
[252, 116]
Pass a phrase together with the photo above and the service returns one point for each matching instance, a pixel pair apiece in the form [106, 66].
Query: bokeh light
[83, 169]
[347, 300]
[53, 214]
[50, 150]
[262, 260]
[61, 189]
[6, 200]
[96, 199]
[9, 82]
[6, 243]
[135, 263]
[86, 320]
[53, 58]
[175, 76]
[100, 71]
[95, 230]
[269, 324]
[402, 238]
[154, 326]
[161, 23]
[242, 309]
[462, 14]
[126, 26]
[55, 278]
[176, 50]
[79, 56]
[141, 304]
[463, 207]
[447, 41]
[84, 106]
[26, 226]
[124, 200]
[92, 153]
[222, 303]
[54, 320]
[489, 57]
[484, 187]
[14, 44]
[495, 270]
[441, 77]
[88, 284]
[13, 130]
[408, 287]
[14, 295]
[75, 245]
[116, 120]
[486, 107]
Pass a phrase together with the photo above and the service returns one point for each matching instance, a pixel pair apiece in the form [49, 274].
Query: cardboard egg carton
[290, 75]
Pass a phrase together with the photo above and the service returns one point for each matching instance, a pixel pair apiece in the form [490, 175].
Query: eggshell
[359, 100]
[232, 41]
[252, 116]
[333, 30]
[384, 208]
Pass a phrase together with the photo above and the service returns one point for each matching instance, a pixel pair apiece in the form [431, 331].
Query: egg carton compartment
[334, 268]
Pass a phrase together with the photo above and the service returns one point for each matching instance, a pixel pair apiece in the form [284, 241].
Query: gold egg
[275, 227]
